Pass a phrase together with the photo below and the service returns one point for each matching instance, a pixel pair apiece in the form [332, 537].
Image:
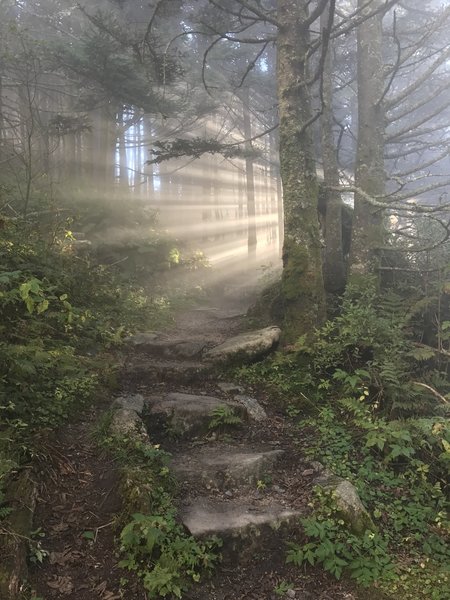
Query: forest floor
[79, 499]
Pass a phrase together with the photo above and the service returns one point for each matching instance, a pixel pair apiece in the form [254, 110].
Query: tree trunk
[249, 176]
[302, 282]
[333, 263]
[367, 232]
[121, 142]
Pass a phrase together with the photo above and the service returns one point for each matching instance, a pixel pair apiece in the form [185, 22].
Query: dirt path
[77, 507]
[79, 498]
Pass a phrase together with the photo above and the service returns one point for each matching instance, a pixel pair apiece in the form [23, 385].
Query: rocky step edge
[242, 527]
[147, 371]
[245, 347]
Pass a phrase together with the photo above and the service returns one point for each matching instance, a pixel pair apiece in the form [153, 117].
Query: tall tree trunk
[333, 264]
[121, 142]
[302, 282]
[249, 176]
[280, 211]
[2, 118]
[367, 232]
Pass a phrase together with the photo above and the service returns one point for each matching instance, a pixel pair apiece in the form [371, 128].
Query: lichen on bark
[302, 283]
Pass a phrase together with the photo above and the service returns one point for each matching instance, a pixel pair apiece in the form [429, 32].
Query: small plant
[283, 587]
[153, 543]
[263, 482]
[223, 417]
[159, 551]
[37, 553]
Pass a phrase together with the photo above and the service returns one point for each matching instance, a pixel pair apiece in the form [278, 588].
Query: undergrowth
[61, 317]
[153, 543]
[370, 401]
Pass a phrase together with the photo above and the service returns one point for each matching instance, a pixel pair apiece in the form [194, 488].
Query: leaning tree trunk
[302, 283]
[367, 232]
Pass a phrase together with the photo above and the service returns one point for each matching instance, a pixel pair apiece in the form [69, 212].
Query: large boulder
[246, 347]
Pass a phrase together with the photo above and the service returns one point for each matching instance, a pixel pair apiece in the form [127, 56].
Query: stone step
[244, 528]
[187, 414]
[245, 347]
[224, 467]
[148, 371]
[154, 344]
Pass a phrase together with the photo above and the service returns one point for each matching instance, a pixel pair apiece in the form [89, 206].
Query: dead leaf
[59, 527]
[63, 584]
[67, 556]
[110, 596]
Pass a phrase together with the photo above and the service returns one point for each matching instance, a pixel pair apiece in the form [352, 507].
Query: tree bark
[333, 263]
[249, 177]
[302, 282]
[367, 231]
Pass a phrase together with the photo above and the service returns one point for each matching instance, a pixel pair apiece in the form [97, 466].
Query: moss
[302, 291]
[295, 267]
[21, 497]
[359, 523]
[268, 309]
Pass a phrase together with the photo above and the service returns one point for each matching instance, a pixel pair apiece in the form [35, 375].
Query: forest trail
[246, 483]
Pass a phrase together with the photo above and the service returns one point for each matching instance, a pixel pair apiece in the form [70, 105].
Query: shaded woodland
[149, 149]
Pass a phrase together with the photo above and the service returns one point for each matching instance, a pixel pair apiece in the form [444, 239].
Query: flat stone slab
[151, 371]
[224, 467]
[204, 517]
[139, 340]
[229, 387]
[246, 347]
[152, 344]
[189, 413]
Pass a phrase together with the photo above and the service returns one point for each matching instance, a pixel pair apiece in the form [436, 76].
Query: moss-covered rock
[348, 502]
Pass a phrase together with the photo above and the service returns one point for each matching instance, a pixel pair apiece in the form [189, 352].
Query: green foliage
[370, 422]
[283, 587]
[154, 544]
[196, 147]
[330, 544]
[59, 316]
[223, 417]
[157, 548]
[399, 469]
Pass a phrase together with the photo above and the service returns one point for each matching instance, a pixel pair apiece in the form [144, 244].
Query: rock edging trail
[246, 486]
[245, 483]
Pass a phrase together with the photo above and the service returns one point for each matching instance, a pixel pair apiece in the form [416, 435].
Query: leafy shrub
[59, 314]
[154, 544]
[372, 394]
[166, 559]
